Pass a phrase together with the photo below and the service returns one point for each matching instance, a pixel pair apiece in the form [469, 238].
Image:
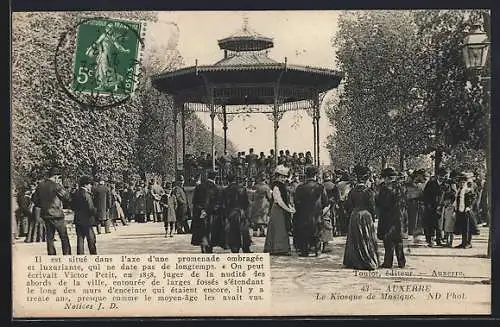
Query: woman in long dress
[140, 203]
[277, 238]
[361, 251]
[260, 207]
[415, 204]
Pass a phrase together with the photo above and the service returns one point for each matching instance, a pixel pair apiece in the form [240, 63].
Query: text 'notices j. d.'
[141, 285]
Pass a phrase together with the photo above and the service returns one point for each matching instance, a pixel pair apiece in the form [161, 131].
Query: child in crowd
[449, 218]
[169, 204]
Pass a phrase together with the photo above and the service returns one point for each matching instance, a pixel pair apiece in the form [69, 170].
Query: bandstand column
[275, 128]
[314, 136]
[211, 105]
[317, 115]
[212, 127]
[225, 127]
[176, 108]
[183, 124]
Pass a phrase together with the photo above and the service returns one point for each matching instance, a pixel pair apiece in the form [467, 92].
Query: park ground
[435, 280]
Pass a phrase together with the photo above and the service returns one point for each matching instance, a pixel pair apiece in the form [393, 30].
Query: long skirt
[361, 251]
[36, 231]
[341, 220]
[209, 231]
[415, 216]
[238, 230]
[277, 239]
[259, 211]
[449, 219]
[116, 211]
[464, 223]
[326, 228]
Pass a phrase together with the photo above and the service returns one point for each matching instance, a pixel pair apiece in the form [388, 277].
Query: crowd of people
[244, 167]
[42, 209]
[358, 204]
[336, 204]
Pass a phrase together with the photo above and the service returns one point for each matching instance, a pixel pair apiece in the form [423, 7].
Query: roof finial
[245, 22]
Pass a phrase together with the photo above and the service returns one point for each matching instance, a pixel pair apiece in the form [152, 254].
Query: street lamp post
[476, 46]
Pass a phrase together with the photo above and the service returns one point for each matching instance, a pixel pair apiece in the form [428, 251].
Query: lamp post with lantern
[476, 55]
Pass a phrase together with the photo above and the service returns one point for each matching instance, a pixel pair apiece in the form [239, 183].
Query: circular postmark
[98, 61]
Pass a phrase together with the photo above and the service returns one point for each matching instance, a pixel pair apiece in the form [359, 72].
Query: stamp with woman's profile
[98, 62]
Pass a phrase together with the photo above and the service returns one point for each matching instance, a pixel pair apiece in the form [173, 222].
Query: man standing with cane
[48, 205]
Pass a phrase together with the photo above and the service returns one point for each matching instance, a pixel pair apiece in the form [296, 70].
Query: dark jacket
[24, 203]
[50, 196]
[102, 201]
[182, 211]
[310, 199]
[83, 205]
[207, 198]
[390, 207]
[236, 205]
[432, 195]
[235, 196]
[361, 197]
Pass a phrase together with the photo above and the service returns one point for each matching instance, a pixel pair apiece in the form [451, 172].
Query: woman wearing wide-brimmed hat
[361, 251]
[277, 238]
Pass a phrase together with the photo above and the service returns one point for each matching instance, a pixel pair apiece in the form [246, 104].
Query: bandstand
[246, 81]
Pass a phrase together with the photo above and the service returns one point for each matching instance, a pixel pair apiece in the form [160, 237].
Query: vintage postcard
[260, 163]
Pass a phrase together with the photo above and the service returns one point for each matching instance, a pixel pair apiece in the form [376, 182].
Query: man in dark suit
[102, 203]
[251, 161]
[208, 226]
[310, 200]
[85, 213]
[48, 200]
[236, 206]
[182, 210]
[432, 195]
[390, 226]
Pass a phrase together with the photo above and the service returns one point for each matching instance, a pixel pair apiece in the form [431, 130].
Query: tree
[378, 112]
[407, 90]
[452, 104]
[50, 128]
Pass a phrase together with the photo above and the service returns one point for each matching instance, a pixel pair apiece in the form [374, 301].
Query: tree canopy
[407, 92]
[49, 128]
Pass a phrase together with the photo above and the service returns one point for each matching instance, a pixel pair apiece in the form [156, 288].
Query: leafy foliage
[406, 91]
[50, 128]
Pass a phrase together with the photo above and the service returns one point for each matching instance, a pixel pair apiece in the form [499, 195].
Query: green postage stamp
[107, 56]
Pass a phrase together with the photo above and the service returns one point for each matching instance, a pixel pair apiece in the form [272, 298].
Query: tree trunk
[384, 162]
[402, 160]
[438, 157]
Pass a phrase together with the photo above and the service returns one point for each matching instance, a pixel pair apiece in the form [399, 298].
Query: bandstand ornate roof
[246, 39]
[247, 76]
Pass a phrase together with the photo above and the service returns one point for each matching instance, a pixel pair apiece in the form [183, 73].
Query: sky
[304, 37]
